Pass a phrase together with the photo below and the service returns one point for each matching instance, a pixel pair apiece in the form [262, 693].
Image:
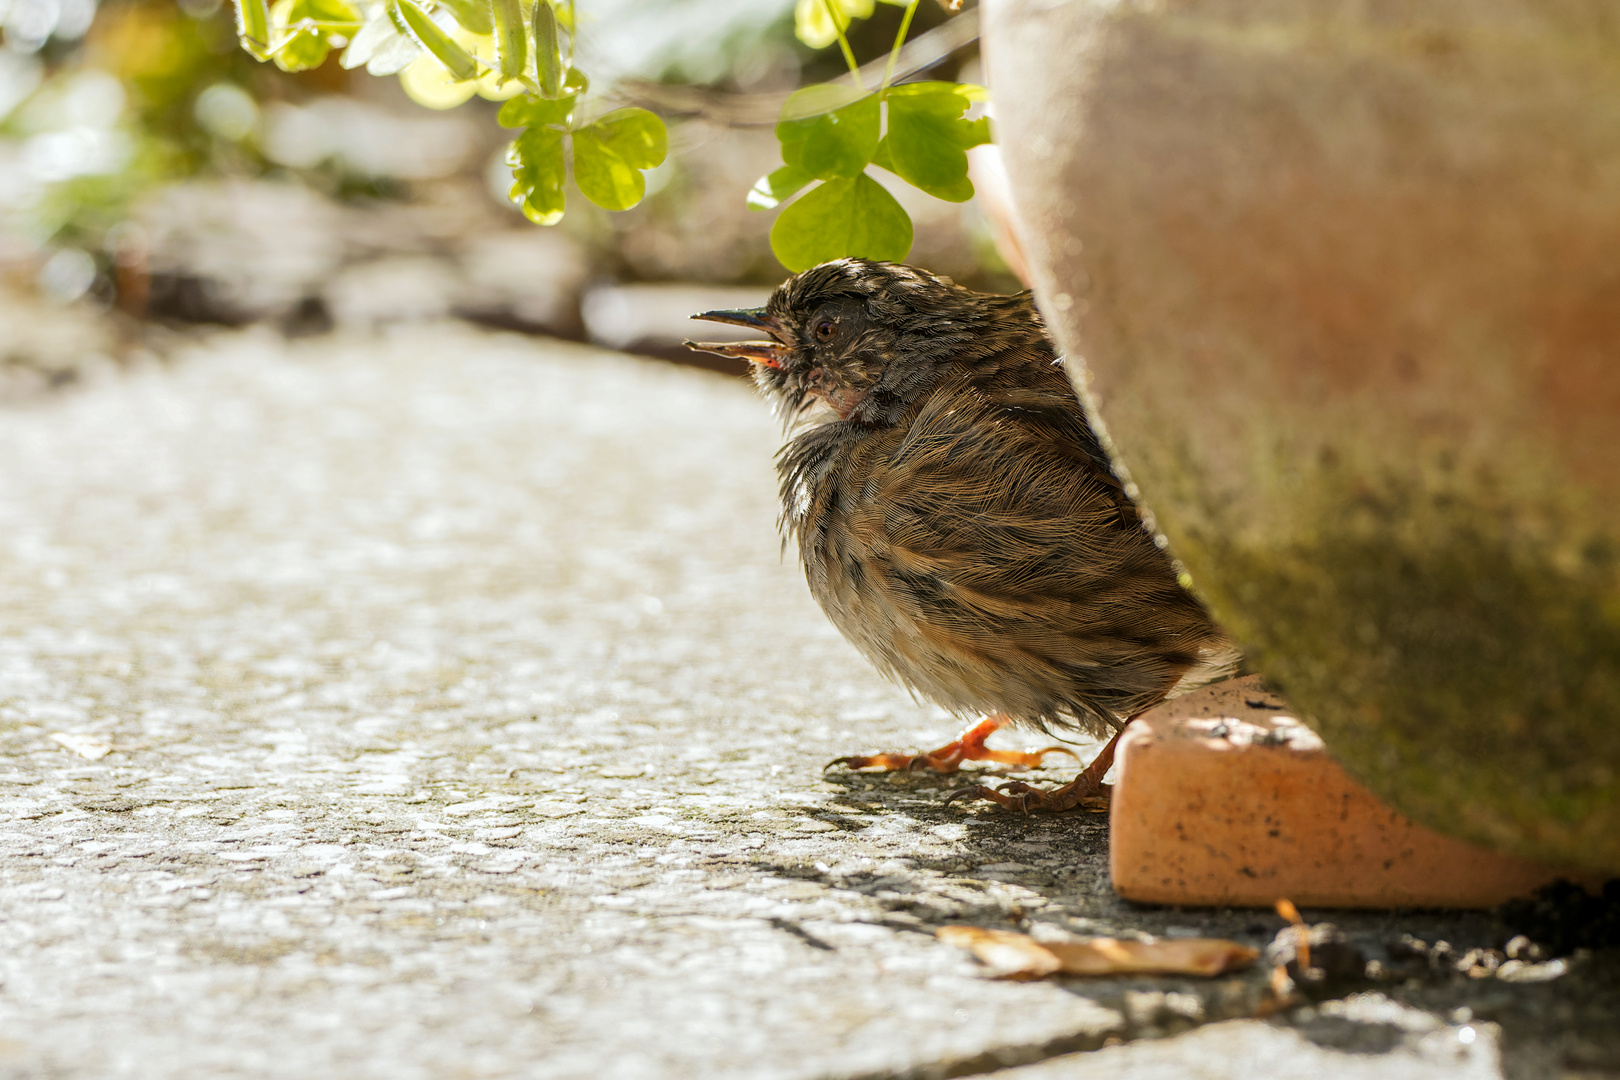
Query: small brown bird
[960, 523]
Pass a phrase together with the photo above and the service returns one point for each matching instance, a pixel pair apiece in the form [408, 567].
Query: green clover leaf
[778, 187]
[308, 24]
[536, 158]
[611, 153]
[843, 217]
[809, 102]
[527, 110]
[928, 136]
[835, 142]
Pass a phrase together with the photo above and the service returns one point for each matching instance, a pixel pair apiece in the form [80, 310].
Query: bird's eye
[825, 329]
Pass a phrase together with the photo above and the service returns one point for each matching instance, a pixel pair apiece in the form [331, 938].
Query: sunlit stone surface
[439, 705]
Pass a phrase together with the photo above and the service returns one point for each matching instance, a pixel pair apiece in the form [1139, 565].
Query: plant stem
[843, 43]
[899, 40]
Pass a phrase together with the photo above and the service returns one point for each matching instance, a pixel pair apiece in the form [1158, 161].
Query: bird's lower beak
[768, 353]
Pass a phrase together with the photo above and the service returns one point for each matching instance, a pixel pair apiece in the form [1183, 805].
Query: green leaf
[304, 29]
[527, 110]
[253, 27]
[536, 158]
[841, 218]
[427, 33]
[833, 144]
[813, 20]
[511, 39]
[882, 159]
[816, 99]
[928, 136]
[530, 110]
[547, 52]
[611, 153]
[471, 15]
[841, 143]
[778, 187]
[301, 51]
[339, 18]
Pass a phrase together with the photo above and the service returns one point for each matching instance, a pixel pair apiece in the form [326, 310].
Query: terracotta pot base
[1223, 798]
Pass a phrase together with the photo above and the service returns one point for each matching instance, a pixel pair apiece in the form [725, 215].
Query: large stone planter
[1346, 277]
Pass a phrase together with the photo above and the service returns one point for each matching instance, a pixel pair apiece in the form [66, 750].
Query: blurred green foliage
[150, 92]
[153, 92]
[830, 133]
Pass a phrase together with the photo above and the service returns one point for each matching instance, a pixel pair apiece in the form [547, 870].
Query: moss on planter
[1455, 661]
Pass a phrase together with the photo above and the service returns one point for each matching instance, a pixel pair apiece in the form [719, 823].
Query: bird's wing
[991, 543]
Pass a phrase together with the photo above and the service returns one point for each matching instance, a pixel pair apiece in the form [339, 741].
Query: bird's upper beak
[768, 353]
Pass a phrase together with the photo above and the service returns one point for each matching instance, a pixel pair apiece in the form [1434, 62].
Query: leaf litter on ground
[1018, 956]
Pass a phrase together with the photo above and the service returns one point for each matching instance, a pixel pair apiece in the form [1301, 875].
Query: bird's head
[864, 337]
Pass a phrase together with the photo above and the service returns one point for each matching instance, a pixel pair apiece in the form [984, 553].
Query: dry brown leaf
[1179, 956]
[1012, 955]
[1019, 956]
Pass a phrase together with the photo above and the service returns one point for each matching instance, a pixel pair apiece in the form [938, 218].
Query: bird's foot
[1086, 791]
[969, 746]
[1016, 795]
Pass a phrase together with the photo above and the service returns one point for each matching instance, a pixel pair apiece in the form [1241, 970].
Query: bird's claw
[1022, 797]
[1015, 801]
[887, 762]
[969, 746]
[975, 792]
[980, 791]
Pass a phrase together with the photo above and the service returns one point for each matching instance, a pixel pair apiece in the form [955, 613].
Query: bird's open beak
[768, 353]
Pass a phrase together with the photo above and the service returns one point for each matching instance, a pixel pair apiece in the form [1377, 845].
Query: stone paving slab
[438, 705]
[1409, 1045]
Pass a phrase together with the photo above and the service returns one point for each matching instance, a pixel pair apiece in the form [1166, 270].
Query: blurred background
[154, 176]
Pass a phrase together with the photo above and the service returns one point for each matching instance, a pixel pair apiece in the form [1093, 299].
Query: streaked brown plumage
[957, 519]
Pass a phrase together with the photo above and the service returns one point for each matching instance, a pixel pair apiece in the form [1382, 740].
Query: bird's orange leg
[968, 746]
[1086, 790]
